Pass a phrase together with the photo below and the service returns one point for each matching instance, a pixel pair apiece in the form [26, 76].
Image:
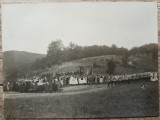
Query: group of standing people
[99, 79]
[45, 84]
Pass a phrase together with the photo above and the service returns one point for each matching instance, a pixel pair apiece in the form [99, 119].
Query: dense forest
[58, 53]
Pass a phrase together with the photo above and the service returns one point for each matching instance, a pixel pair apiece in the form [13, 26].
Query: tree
[72, 45]
[54, 53]
[71, 51]
[114, 49]
[111, 67]
[125, 60]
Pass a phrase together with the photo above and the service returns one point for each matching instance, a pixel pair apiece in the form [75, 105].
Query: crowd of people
[56, 83]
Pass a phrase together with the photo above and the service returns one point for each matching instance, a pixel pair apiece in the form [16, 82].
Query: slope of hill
[14, 59]
[136, 64]
[17, 63]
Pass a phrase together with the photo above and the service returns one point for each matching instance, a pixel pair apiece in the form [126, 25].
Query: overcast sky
[31, 27]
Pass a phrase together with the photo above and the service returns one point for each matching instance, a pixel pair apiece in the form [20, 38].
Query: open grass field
[95, 101]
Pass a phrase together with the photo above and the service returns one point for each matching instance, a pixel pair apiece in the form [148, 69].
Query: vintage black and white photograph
[80, 60]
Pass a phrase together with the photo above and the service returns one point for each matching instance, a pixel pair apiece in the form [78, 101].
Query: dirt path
[70, 90]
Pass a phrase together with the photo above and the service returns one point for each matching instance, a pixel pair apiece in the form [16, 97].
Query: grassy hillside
[14, 59]
[136, 63]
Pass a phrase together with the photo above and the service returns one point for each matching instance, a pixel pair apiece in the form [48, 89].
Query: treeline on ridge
[57, 53]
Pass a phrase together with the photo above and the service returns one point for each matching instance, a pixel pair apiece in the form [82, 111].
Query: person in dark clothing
[54, 86]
